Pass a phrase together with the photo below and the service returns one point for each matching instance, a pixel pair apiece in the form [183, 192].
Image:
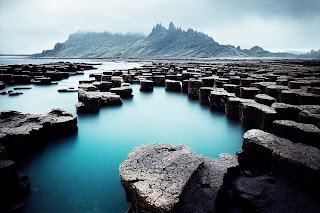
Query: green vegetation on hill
[160, 43]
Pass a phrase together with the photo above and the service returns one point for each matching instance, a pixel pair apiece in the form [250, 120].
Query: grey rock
[297, 132]
[155, 175]
[264, 99]
[218, 98]
[285, 158]
[171, 85]
[266, 194]
[255, 115]
[146, 85]
[248, 92]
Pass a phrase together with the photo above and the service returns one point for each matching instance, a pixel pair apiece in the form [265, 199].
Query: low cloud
[34, 25]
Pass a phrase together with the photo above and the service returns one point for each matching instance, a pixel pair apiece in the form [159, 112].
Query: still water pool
[80, 173]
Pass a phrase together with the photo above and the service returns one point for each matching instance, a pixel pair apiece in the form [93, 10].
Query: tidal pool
[80, 173]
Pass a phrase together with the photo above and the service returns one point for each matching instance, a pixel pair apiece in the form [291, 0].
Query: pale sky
[30, 26]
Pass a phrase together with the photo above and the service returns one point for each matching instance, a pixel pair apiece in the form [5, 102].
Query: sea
[80, 173]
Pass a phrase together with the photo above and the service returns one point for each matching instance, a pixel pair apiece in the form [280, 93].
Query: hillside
[161, 42]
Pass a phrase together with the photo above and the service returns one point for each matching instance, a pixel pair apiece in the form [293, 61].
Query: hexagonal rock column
[194, 87]
[204, 93]
[233, 105]
[171, 85]
[162, 178]
[275, 90]
[155, 175]
[297, 132]
[248, 92]
[255, 115]
[123, 92]
[185, 84]
[218, 98]
[14, 185]
[159, 80]
[146, 85]
[294, 160]
[264, 99]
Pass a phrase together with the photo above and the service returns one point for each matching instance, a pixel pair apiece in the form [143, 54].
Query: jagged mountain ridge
[161, 42]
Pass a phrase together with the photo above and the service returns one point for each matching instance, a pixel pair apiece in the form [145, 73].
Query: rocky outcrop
[91, 101]
[202, 193]
[194, 86]
[264, 99]
[255, 115]
[297, 132]
[267, 194]
[204, 93]
[147, 85]
[26, 130]
[173, 85]
[41, 73]
[155, 175]
[18, 134]
[281, 156]
[123, 92]
[163, 178]
[218, 97]
[14, 185]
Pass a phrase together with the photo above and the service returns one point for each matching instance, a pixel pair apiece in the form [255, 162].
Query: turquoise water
[80, 173]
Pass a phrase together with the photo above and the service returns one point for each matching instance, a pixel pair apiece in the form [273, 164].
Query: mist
[31, 26]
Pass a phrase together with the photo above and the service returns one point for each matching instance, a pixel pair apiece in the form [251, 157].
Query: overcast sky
[29, 26]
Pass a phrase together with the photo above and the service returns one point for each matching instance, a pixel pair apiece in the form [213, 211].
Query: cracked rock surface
[155, 175]
[20, 128]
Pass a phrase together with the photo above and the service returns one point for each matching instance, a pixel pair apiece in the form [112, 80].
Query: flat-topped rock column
[283, 157]
[173, 85]
[146, 85]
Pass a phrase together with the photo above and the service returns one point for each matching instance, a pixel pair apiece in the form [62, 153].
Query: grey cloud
[33, 25]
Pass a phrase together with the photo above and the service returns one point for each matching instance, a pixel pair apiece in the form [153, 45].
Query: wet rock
[310, 115]
[267, 194]
[204, 93]
[194, 87]
[286, 111]
[218, 98]
[264, 99]
[220, 82]
[173, 85]
[91, 101]
[15, 93]
[67, 90]
[232, 88]
[255, 115]
[123, 92]
[2, 85]
[262, 85]
[21, 79]
[303, 82]
[146, 85]
[185, 84]
[155, 175]
[275, 90]
[246, 82]
[87, 87]
[14, 185]
[209, 81]
[25, 130]
[202, 191]
[298, 97]
[248, 92]
[21, 88]
[296, 161]
[159, 80]
[297, 132]
[233, 106]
